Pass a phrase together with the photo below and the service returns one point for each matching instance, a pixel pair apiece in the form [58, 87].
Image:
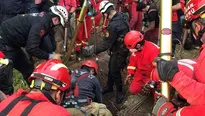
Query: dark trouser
[6, 79]
[176, 35]
[21, 62]
[116, 64]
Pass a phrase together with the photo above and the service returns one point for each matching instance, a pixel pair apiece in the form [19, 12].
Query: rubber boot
[119, 97]
[109, 87]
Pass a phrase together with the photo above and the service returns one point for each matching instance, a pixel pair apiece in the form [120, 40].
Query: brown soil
[133, 105]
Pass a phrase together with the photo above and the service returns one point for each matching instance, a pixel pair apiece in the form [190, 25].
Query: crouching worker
[48, 82]
[141, 60]
[85, 96]
[6, 75]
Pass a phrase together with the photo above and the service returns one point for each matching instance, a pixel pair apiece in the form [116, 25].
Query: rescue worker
[27, 31]
[70, 6]
[88, 84]
[186, 66]
[176, 26]
[85, 29]
[6, 75]
[11, 8]
[116, 30]
[48, 81]
[192, 89]
[41, 5]
[86, 91]
[152, 16]
[51, 40]
[120, 5]
[143, 53]
[135, 16]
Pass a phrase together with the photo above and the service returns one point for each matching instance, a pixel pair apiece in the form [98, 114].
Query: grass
[187, 53]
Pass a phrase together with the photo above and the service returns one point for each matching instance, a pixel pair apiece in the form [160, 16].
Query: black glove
[146, 89]
[88, 51]
[167, 69]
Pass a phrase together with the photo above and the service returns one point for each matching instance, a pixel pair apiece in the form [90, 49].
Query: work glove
[146, 89]
[88, 50]
[128, 79]
[163, 107]
[167, 69]
[55, 56]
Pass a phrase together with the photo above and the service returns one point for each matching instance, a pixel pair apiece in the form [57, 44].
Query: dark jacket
[89, 87]
[26, 31]
[42, 7]
[117, 28]
[10, 8]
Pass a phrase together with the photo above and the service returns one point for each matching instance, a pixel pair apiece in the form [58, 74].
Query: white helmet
[61, 12]
[104, 5]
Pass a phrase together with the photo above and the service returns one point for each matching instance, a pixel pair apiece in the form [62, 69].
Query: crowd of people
[36, 29]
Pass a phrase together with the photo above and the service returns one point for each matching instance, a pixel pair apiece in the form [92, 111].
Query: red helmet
[194, 9]
[91, 64]
[54, 72]
[132, 38]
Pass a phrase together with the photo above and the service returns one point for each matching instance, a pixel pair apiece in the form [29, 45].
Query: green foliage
[19, 81]
[186, 53]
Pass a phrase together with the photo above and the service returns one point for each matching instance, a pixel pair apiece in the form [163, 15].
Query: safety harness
[71, 100]
[12, 104]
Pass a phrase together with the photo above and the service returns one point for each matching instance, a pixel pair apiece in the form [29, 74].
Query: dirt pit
[133, 105]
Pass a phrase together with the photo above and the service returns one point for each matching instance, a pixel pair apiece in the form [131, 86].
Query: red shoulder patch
[42, 33]
[41, 14]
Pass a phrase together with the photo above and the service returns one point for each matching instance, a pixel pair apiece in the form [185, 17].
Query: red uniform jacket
[193, 90]
[68, 4]
[45, 108]
[141, 62]
[184, 65]
[191, 111]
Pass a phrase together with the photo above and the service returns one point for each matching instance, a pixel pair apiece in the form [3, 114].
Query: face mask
[133, 50]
